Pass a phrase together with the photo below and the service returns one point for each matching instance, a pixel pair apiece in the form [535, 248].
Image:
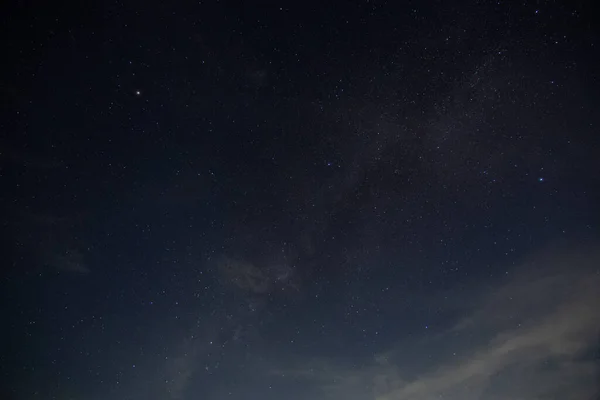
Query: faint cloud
[28, 159]
[51, 241]
[254, 279]
[244, 275]
[71, 260]
[535, 335]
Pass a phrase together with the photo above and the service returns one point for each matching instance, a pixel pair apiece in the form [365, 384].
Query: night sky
[336, 200]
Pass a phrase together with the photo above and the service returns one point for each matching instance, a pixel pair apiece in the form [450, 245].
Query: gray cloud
[531, 337]
[244, 275]
[70, 260]
[257, 280]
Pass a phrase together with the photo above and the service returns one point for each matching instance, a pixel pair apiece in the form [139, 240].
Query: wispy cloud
[71, 260]
[531, 337]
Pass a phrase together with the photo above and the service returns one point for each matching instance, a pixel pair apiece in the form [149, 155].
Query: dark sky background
[294, 200]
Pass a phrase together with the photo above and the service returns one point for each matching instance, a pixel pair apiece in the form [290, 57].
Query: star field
[376, 200]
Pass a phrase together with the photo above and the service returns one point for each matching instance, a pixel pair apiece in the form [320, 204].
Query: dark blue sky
[318, 201]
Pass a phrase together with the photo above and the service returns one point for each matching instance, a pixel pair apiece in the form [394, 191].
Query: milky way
[303, 201]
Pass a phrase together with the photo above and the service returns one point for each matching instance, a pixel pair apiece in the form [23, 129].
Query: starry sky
[334, 200]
